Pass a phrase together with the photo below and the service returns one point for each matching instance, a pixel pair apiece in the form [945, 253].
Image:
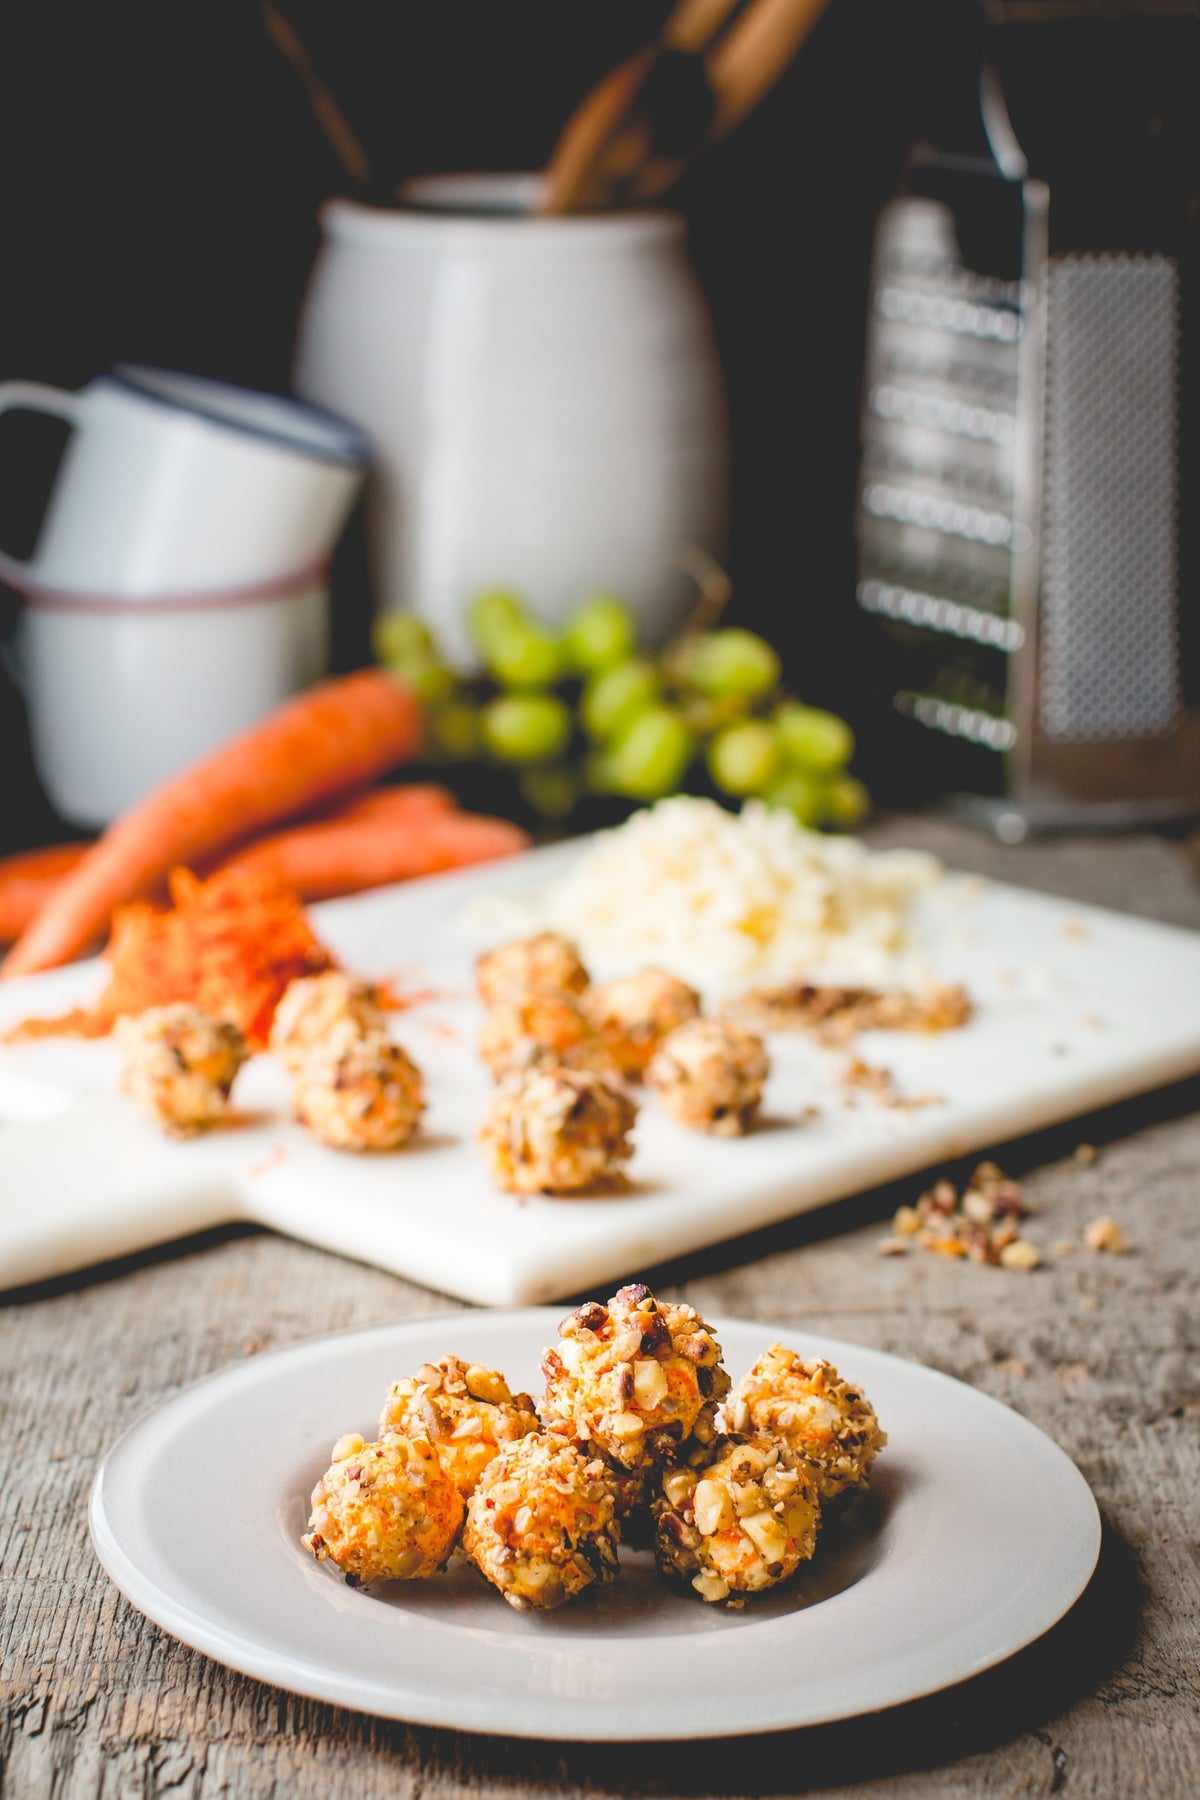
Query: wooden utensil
[630, 138]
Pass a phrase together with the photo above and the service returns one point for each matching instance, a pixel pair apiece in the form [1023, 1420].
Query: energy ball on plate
[311, 1006]
[634, 1013]
[743, 1522]
[465, 1410]
[179, 1065]
[709, 1074]
[639, 1378]
[541, 1523]
[556, 1131]
[356, 1090]
[535, 1028]
[545, 961]
[810, 1412]
[384, 1512]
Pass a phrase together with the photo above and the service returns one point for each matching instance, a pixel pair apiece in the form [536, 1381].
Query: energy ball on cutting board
[314, 1004]
[709, 1074]
[179, 1066]
[739, 1524]
[639, 1378]
[556, 1131]
[465, 1410]
[818, 1421]
[384, 1512]
[357, 1090]
[541, 1523]
[634, 1013]
[547, 961]
[535, 1028]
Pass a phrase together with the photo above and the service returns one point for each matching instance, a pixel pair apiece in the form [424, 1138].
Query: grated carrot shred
[229, 945]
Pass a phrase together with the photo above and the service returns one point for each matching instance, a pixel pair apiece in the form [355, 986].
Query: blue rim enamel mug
[173, 483]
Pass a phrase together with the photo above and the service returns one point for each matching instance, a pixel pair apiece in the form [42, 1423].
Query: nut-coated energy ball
[179, 1065]
[537, 1029]
[741, 1523]
[541, 1523]
[357, 1090]
[547, 961]
[384, 1512]
[311, 1006]
[634, 1013]
[818, 1421]
[556, 1131]
[465, 1410]
[709, 1074]
[639, 1378]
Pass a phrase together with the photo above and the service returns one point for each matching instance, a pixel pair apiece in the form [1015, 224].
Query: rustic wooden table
[1099, 1351]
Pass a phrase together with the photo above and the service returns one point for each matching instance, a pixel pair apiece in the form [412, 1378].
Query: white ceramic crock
[543, 395]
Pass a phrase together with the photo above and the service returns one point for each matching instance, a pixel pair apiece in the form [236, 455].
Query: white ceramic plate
[976, 1537]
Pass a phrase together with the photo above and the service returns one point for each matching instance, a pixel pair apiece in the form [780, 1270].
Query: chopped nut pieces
[1106, 1234]
[818, 1421]
[878, 1084]
[541, 1523]
[557, 1131]
[636, 1012]
[356, 1090]
[547, 962]
[742, 1522]
[983, 1224]
[466, 1411]
[710, 1075]
[538, 1028]
[639, 1379]
[836, 1015]
[385, 1511]
[630, 1446]
[179, 1066]
[312, 1005]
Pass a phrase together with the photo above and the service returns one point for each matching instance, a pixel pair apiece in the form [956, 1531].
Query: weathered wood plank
[1100, 1352]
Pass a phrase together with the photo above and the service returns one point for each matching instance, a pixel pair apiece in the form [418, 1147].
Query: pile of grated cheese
[717, 896]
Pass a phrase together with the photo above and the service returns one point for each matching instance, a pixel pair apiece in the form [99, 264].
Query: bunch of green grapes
[584, 710]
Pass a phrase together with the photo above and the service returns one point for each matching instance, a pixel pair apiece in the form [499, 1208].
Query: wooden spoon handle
[723, 53]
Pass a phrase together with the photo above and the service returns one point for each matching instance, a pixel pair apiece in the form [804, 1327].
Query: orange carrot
[27, 881]
[332, 738]
[342, 857]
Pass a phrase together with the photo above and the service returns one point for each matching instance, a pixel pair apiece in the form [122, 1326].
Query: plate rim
[460, 1712]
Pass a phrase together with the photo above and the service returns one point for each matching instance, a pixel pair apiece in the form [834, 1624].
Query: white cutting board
[1075, 1008]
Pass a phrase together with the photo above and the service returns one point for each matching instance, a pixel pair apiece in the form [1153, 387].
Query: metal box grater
[1022, 502]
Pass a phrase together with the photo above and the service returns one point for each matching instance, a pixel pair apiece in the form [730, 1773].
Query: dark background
[164, 168]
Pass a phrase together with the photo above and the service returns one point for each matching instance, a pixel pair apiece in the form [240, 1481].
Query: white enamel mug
[123, 694]
[174, 483]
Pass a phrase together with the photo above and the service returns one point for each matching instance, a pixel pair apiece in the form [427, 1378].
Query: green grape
[600, 635]
[731, 661]
[551, 790]
[800, 794]
[847, 801]
[705, 714]
[493, 613]
[524, 656]
[429, 679]
[745, 758]
[651, 755]
[397, 635]
[525, 728]
[454, 728]
[613, 700]
[813, 739]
